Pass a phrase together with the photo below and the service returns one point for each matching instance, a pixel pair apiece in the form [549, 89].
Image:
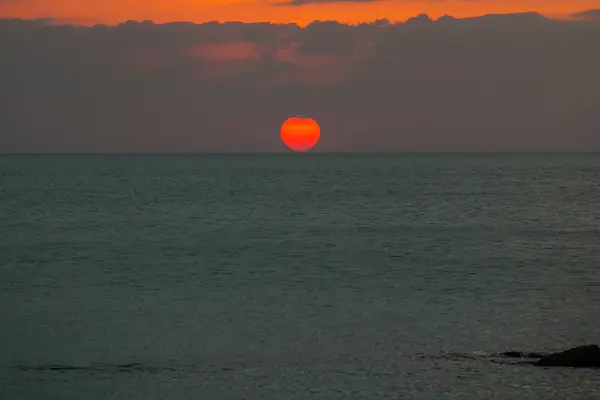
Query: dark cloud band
[495, 83]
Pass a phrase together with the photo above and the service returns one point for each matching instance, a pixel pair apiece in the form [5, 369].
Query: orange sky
[114, 11]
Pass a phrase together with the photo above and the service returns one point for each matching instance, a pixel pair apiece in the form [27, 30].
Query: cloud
[495, 83]
[304, 2]
[592, 15]
[224, 52]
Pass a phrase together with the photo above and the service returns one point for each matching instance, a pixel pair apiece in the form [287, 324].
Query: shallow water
[295, 276]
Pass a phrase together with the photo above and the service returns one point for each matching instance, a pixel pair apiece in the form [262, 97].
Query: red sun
[300, 133]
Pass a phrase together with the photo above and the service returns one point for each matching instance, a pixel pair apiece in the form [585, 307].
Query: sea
[296, 276]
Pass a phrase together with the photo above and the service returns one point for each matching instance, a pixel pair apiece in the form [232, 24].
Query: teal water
[296, 276]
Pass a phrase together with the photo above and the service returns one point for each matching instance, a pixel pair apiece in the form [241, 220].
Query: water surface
[295, 276]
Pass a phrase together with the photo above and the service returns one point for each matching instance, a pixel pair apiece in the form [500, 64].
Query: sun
[300, 133]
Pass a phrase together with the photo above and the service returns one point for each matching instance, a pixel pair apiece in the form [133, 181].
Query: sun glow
[300, 133]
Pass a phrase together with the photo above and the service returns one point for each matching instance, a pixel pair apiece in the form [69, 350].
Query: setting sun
[300, 133]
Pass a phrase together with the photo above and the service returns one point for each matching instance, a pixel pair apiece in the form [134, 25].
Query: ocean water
[294, 276]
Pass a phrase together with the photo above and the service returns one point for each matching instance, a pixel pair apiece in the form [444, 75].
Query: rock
[581, 357]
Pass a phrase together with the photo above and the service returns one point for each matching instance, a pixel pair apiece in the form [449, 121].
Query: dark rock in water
[582, 357]
[578, 357]
[515, 354]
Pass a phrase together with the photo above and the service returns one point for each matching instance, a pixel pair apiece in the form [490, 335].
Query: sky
[296, 11]
[395, 75]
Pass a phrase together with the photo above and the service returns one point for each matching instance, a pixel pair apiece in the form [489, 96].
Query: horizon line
[309, 153]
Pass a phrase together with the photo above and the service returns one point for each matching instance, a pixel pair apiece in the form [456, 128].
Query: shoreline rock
[577, 357]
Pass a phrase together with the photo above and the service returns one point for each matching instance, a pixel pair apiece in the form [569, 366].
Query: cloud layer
[302, 2]
[496, 83]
